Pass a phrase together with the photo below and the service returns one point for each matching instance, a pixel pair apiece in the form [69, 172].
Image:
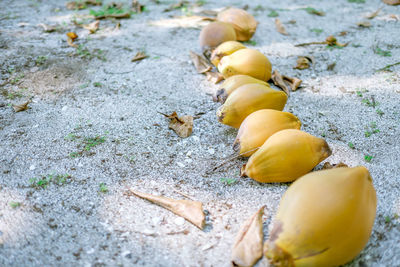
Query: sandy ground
[93, 120]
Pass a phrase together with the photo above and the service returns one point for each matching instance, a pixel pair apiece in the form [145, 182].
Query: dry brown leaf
[200, 62]
[248, 247]
[373, 14]
[364, 24]
[21, 107]
[137, 7]
[331, 66]
[48, 28]
[394, 16]
[214, 77]
[183, 126]
[72, 35]
[278, 81]
[82, 4]
[327, 165]
[139, 56]
[92, 27]
[280, 28]
[343, 33]
[330, 40]
[392, 2]
[303, 62]
[293, 82]
[191, 210]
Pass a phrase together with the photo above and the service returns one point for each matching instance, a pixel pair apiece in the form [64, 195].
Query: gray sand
[116, 100]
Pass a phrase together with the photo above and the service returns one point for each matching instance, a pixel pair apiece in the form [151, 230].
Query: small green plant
[71, 137]
[40, 60]
[84, 85]
[383, 53]
[351, 145]
[273, 14]
[97, 84]
[317, 30]
[367, 133]
[103, 188]
[93, 141]
[356, 1]
[368, 158]
[17, 79]
[84, 52]
[313, 11]
[228, 181]
[44, 181]
[250, 42]
[14, 204]
[109, 10]
[379, 112]
[201, 2]
[388, 219]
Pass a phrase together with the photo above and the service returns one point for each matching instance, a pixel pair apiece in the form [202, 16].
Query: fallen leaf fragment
[364, 24]
[214, 77]
[280, 28]
[21, 107]
[392, 2]
[183, 126]
[248, 247]
[200, 62]
[373, 14]
[328, 165]
[92, 27]
[178, 5]
[137, 7]
[394, 16]
[330, 40]
[278, 81]
[190, 210]
[303, 62]
[71, 37]
[48, 28]
[293, 82]
[139, 56]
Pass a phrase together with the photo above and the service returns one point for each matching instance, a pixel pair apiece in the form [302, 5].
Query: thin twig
[388, 66]
[235, 157]
[311, 43]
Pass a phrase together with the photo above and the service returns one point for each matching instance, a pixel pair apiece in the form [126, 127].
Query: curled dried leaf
[332, 41]
[190, 210]
[183, 126]
[92, 27]
[248, 247]
[214, 77]
[21, 107]
[72, 35]
[277, 78]
[178, 5]
[304, 62]
[280, 28]
[200, 62]
[82, 4]
[293, 82]
[392, 2]
[364, 24]
[139, 56]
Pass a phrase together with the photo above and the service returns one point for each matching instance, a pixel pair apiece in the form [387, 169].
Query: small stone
[64, 108]
[34, 69]
[195, 138]
[179, 221]
[211, 151]
[189, 153]
[180, 164]
[91, 251]
[32, 167]
[188, 160]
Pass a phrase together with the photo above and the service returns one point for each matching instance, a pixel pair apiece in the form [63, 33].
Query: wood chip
[139, 56]
[392, 2]
[293, 82]
[137, 7]
[304, 62]
[248, 246]
[190, 210]
[201, 63]
[280, 28]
